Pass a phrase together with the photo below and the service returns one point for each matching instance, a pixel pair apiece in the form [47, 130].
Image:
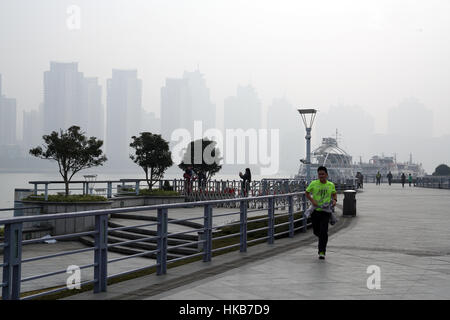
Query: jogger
[320, 228]
[323, 191]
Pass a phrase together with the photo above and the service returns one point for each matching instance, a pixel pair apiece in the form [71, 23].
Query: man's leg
[323, 233]
[315, 220]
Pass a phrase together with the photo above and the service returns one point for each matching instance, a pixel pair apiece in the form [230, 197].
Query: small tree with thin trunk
[203, 157]
[152, 155]
[72, 150]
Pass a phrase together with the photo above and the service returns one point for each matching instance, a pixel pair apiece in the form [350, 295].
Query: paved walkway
[402, 231]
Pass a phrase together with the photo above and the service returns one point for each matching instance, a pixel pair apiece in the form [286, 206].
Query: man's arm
[308, 196]
[334, 196]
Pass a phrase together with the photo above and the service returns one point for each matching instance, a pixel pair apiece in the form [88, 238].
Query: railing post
[161, 256]
[303, 212]
[46, 192]
[101, 253]
[291, 215]
[271, 220]
[12, 261]
[207, 225]
[243, 226]
[109, 192]
[137, 188]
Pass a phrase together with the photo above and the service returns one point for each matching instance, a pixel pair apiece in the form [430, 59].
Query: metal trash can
[349, 203]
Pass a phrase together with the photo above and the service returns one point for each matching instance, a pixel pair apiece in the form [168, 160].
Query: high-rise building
[244, 110]
[8, 120]
[124, 113]
[282, 116]
[71, 99]
[185, 100]
[32, 128]
[63, 97]
[175, 106]
[150, 123]
[93, 113]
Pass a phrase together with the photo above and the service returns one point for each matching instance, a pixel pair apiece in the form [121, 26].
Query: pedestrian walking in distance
[403, 180]
[320, 192]
[410, 179]
[378, 176]
[389, 176]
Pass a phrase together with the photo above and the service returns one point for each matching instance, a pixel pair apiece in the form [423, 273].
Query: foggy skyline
[361, 64]
[371, 53]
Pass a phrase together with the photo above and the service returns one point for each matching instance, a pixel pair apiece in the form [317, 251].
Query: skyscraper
[71, 99]
[185, 100]
[175, 106]
[32, 128]
[244, 110]
[124, 112]
[63, 97]
[93, 112]
[8, 119]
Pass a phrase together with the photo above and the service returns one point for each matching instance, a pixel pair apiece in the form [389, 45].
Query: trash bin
[349, 203]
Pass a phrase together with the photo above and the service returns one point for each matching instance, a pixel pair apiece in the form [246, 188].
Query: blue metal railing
[438, 182]
[13, 227]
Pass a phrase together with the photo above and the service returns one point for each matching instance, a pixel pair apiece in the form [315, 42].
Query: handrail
[13, 242]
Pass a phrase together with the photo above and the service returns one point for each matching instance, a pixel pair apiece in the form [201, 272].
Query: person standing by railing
[188, 177]
[246, 179]
[322, 191]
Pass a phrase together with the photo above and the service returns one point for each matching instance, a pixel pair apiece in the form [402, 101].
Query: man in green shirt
[319, 192]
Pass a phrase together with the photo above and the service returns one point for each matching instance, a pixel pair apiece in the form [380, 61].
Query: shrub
[64, 198]
[158, 192]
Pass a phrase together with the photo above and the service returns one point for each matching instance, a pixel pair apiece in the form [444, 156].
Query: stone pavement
[402, 231]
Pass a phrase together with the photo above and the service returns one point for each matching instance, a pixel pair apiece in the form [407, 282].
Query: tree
[152, 155]
[72, 150]
[203, 157]
[442, 170]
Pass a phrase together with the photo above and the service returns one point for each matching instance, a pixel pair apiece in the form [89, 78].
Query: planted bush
[158, 192]
[64, 198]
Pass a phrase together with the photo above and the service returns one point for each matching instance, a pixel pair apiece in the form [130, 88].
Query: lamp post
[308, 116]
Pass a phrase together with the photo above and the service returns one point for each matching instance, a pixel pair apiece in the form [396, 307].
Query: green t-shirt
[321, 192]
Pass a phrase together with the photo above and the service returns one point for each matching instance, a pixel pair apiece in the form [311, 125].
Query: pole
[308, 155]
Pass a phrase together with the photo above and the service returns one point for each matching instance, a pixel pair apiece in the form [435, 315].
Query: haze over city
[377, 71]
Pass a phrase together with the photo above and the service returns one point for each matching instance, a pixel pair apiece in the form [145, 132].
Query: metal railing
[13, 242]
[438, 182]
[192, 190]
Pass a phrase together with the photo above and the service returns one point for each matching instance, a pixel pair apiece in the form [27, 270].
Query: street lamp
[308, 116]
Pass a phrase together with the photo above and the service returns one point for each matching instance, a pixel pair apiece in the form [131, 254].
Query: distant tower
[410, 158]
[124, 113]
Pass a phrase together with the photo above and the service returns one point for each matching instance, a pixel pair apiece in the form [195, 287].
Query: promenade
[402, 231]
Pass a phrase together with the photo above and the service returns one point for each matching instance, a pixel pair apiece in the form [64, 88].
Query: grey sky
[317, 54]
